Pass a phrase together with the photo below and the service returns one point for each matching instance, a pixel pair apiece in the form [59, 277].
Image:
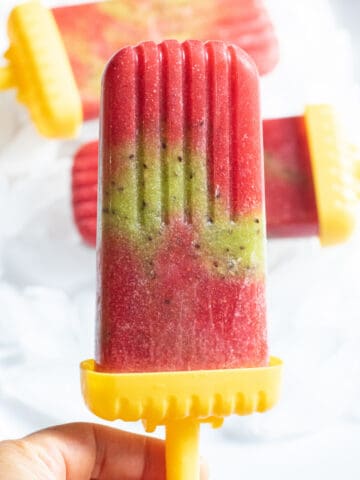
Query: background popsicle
[181, 252]
[93, 32]
[290, 196]
[84, 191]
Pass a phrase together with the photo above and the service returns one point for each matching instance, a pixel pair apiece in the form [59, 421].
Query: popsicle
[312, 179]
[93, 32]
[181, 322]
[181, 263]
[84, 183]
[292, 194]
[38, 67]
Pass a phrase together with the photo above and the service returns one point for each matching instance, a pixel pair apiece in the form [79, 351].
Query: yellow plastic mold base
[181, 401]
[336, 174]
[39, 68]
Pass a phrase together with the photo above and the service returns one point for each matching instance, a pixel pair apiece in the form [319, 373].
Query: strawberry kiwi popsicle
[181, 281]
[93, 32]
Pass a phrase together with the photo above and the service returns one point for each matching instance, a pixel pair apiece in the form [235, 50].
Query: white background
[47, 281]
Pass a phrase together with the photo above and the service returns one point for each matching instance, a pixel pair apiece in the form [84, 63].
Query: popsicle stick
[182, 450]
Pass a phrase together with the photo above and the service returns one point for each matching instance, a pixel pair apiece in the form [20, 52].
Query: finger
[84, 451]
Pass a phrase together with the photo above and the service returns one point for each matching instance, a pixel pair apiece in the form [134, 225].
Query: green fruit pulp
[150, 191]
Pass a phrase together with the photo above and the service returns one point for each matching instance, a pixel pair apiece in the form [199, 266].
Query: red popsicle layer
[289, 189]
[181, 251]
[84, 185]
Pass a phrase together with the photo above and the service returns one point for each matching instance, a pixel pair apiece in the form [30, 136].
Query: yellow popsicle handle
[333, 174]
[181, 401]
[7, 79]
[39, 68]
[182, 450]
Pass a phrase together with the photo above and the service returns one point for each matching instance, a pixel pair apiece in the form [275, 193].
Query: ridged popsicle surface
[181, 245]
[84, 183]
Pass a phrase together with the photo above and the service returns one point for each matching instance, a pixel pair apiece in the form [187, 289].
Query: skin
[83, 451]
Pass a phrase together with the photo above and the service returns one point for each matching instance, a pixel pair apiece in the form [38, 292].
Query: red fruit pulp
[84, 179]
[181, 271]
[289, 190]
[172, 313]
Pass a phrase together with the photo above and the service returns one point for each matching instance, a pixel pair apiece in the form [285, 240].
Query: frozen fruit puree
[84, 177]
[290, 195]
[181, 251]
[93, 32]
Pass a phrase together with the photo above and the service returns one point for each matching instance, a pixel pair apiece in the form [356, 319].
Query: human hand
[83, 451]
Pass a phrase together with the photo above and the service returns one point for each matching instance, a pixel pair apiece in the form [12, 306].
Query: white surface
[47, 280]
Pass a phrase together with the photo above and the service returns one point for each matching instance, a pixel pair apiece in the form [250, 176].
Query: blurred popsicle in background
[84, 178]
[291, 209]
[92, 32]
[312, 179]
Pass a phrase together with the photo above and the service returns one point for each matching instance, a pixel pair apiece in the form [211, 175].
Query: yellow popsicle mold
[336, 181]
[181, 401]
[39, 68]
